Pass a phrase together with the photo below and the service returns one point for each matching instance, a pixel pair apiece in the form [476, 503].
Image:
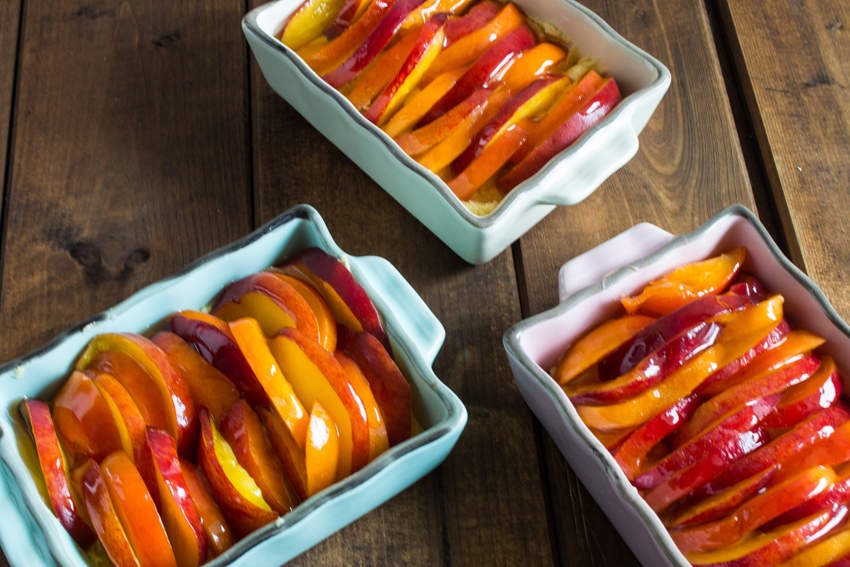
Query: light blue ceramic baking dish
[31, 536]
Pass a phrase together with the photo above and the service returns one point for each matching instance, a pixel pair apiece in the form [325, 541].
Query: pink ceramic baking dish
[590, 288]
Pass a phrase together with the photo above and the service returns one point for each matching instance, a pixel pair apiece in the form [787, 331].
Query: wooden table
[136, 136]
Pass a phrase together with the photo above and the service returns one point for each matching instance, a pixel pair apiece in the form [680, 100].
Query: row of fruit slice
[724, 417]
[471, 93]
[166, 451]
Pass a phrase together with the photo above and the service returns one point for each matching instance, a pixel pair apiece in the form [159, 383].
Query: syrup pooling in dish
[726, 418]
[477, 93]
[167, 450]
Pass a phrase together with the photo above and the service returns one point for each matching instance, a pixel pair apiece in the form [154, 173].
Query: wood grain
[484, 505]
[131, 155]
[792, 61]
[689, 167]
[9, 24]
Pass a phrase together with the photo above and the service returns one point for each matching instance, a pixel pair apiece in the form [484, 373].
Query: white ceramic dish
[567, 179]
[31, 536]
[590, 293]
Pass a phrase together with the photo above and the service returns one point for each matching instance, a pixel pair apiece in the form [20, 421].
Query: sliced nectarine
[378, 76]
[530, 64]
[83, 419]
[415, 109]
[286, 403]
[421, 14]
[290, 454]
[104, 517]
[308, 22]
[322, 451]
[218, 534]
[378, 440]
[321, 309]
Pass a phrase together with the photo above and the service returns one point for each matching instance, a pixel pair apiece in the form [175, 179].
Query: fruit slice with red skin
[820, 426]
[755, 512]
[422, 139]
[350, 11]
[378, 440]
[484, 72]
[320, 307]
[611, 440]
[491, 160]
[634, 411]
[653, 336]
[322, 451]
[366, 52]
[769, 548]
[317, 376]
[785, 352]
[475, 44]
[831, 552]
[720, 434]
[598, 106]
[633, 451]
[843, 562]
[283, 398]
[416, 108]
[241, 427]
[104, 518]
[136, 511]
[347, 298]
[308, 22]
[210, 388]
[831, 451]
[728, 401]
[528, 103]
[271, 301]
[211, 337]
[179, 515]
[290, 454]
[391, 390]
[235, 491]
[651, 370]
[216, 531]
[379, 75]
[597, 344]
[750, 286]
[686, 480]
[772, 338]
[65, 504]
[802, 400]
[176, 398]
[83, 419]
[475, 19]
[837, 495]
[424, 53]
[690, 281]
[429, 8]
[723, 503]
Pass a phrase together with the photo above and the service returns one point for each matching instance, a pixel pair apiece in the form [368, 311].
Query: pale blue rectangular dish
[31, 536]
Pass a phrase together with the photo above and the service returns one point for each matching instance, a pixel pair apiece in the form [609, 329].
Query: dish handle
[597, 263]
[414, 316]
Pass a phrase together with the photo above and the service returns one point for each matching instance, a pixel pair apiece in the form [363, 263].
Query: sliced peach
[475, 19]
[378, 440]
[316, 375]
[136, 511]
[309, 21]
[212, 338]
[179, 515]
[242, 429]
[286, 403]
[65, 503]
[426, 50]
[240, 498]
[379, 75]
[218, 534]
[83, 419]
[290, 454]
[350, 12]
[321, 309]
[391, 389]
[416, 108]
[104, 517]
[209, 387]
[531, 64]
[468, 49]
[826, 553]
[419, 16]
[175, 395]
[322, 451]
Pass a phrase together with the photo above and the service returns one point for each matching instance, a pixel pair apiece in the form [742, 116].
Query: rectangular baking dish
[30, 534]
[567, 179]
[590, 288]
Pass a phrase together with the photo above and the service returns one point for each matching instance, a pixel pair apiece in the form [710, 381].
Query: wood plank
[792, 63]
[484, 506]
[131, 157]
[689, 167]
[9, 24]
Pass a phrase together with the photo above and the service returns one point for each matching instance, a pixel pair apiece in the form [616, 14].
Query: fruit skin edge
[32, 528]
[734, 226]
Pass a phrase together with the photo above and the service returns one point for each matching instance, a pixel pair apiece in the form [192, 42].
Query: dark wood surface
[141, 135]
